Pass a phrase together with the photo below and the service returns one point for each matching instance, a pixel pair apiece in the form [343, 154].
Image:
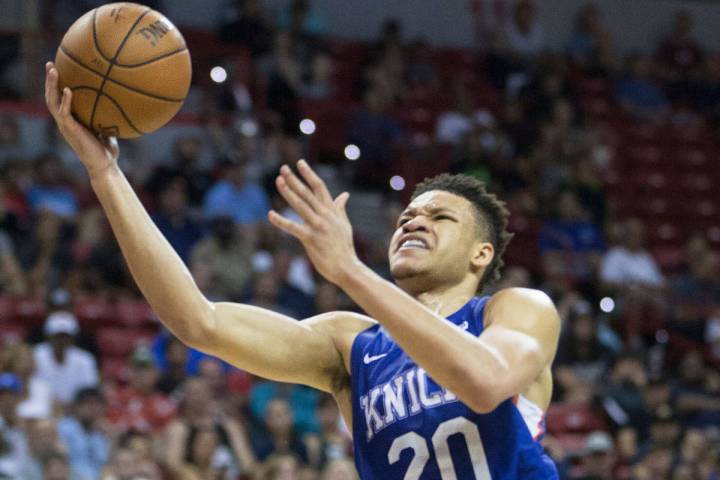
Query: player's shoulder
[528, 297]
[522, 305]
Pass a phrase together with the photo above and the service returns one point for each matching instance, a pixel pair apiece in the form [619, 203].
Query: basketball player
[438, 384]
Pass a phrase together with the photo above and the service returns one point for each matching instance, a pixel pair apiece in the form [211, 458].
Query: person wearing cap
[599, 458]
[13, 442]
[64, 366]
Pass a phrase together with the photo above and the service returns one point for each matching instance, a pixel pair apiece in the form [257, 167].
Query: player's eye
[403, 221]
[443, 217]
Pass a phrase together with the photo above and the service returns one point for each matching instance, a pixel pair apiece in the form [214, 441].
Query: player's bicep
[275, 346]
[524, 328]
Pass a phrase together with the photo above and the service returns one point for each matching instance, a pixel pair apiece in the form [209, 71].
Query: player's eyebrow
[431, 210]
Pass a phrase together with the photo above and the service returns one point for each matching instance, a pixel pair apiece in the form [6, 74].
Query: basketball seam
[112, 63]
[94, 34]
[142, 64]
[119, 107]
[133, 89]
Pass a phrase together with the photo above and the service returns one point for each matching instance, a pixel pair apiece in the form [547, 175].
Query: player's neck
[446, 300]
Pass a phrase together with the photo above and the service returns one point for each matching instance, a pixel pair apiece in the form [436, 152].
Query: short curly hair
[491, 213]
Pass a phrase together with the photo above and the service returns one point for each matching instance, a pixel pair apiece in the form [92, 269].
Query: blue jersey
[405, 426]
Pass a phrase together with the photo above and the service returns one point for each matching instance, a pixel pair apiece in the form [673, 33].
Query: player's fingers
[286, 225]
[65, 104]
[300, 189]
[295, 201]
[315, 182]
[51, 90]
[341, 204]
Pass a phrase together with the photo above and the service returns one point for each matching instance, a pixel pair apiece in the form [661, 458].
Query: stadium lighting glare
[249, 128]
[218, 74]
[352, 152]
[607, 304]
[307, 126]
[397, 183]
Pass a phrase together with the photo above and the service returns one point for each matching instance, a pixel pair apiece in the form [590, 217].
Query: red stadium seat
[131, 313]
[93, 312]
[569, 418]
[121, 342]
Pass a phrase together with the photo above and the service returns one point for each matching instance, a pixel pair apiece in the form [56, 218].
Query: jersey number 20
[421, 453]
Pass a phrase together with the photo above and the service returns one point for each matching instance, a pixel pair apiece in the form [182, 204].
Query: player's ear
[481, 255]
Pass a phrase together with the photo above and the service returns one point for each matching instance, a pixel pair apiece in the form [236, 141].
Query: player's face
[436, 239]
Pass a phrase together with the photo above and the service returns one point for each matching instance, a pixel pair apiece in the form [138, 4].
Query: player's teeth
[413, 243]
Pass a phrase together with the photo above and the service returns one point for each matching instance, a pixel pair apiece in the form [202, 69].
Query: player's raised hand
[326, 232]
[96, 153]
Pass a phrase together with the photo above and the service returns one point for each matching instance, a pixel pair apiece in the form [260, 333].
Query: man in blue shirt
[233, 195]
[88, 447]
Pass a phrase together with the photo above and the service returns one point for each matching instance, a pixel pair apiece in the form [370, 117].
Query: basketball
[128, 68]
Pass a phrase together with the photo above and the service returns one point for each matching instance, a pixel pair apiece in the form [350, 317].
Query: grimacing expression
[437, 235]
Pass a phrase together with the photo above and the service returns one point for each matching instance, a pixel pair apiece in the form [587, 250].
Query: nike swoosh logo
[464, 325]
[369, 359]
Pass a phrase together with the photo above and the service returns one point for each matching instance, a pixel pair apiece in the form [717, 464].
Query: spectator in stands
[589, 47]
[173, 365]
[36, 393]
[599, 459]
[55, 466]
[332, 442]
[245, 23]
[637, 91]
[624, 398]
[12, 276]
[43, 440]
[128, 464]
[202, 431]
[679, 55]
[235, 196]
[340, 469]
[280, 466]
[327, 298]
[454, 124]
[696, 402]
[581, 348]
[13, 441]
[570, 242]
[301, 18]
[319, 84]
[10, 140]
[281, 71]
[222, 261]
[629, 264]
[278, 434]
[525, 35]
[187, 162]
[174, 219]
[295, 277]
[65, 367]
[420, 70]
[138, 406]
[700, 285]
[376, 135]
[51, 191]
[82, 432]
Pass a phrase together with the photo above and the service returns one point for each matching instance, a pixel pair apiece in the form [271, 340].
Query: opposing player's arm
[260, 341]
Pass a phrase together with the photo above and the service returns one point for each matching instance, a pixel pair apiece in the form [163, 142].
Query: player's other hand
[326, 232]
[96, 153]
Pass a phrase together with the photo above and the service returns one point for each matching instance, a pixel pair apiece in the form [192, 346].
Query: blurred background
[597, 122]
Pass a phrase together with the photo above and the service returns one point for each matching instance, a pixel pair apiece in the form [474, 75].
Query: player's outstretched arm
[516, 347]
[263, 342]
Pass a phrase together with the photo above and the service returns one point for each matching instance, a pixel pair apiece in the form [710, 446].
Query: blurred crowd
[637, 384]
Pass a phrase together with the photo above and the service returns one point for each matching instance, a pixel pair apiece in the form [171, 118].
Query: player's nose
[417, 224]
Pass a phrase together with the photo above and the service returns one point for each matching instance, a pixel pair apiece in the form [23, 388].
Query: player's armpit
[522, 331]
[271, 345]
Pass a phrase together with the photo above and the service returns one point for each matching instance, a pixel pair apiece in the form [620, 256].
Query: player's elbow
[483, 395]
[196, 330]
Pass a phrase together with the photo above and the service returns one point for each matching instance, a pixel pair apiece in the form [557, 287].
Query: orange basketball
[128, 68]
